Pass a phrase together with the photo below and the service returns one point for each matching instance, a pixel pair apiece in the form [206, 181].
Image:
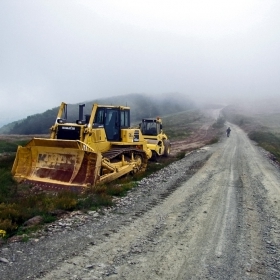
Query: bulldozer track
[115, 152]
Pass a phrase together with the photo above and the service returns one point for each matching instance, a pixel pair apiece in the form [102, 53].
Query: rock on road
[220, 222]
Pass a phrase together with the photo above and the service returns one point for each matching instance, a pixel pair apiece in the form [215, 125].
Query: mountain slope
[141, 106]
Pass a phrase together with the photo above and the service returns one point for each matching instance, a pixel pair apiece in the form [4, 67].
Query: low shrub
[94, 201]
[10, 146]
[8, 226]
[267, 140]
[220, 122]
[87, 202]
[181, 155]
[10, 212]
[100, 189]
[65, 201]
[213, 141]
[48, 218]
[120, 189]
[7, 186]
[103, 200]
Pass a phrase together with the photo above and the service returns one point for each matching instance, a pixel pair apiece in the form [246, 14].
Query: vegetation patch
[181, 125]
[11, 145]
[181, 155]
[220, 122]
[178, 134]
[212, 141]
[264, 129]
[268, 141]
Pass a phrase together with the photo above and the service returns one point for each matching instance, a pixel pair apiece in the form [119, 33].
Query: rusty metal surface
[55, 166]
[49, 165]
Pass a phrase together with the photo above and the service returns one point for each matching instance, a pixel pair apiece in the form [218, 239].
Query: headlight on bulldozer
[60, 121]
[80, 122]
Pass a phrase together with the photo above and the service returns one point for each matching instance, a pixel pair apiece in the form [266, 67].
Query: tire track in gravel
[177, 225]
[212, 226]
[261, 224]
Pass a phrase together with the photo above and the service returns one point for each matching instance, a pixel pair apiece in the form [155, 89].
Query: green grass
[180, 126]
[11, 145]
[267, 140]
[7, 185]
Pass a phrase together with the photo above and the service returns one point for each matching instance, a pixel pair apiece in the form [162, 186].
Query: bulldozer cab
[151, 127]
[113, 120]
[110, 118]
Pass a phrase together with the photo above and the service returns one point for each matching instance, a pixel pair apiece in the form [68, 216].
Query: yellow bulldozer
[97, 148]
[158, 142]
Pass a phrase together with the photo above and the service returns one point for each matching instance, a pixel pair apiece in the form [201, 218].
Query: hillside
[141, 106]
[260, 120]
[262, 114]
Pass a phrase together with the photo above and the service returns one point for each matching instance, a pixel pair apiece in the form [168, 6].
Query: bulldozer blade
[57, 164]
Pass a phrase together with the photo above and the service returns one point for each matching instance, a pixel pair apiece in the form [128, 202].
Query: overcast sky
[78, 50]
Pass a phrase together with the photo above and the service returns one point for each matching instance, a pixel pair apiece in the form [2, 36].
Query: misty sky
[78, 50]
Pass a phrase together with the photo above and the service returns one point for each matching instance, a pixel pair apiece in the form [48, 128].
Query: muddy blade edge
[43, 186]
[52, 167]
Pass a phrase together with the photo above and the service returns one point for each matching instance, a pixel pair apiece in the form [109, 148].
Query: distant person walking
[228, 131]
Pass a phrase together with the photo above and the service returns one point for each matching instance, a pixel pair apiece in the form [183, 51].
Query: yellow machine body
[80, 155]
[157, 140]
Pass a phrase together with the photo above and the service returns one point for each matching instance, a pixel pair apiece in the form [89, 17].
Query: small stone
[248, 267]
[58, 212]
[89, 266]
[34, 221]
[16, 238]
[4, 260]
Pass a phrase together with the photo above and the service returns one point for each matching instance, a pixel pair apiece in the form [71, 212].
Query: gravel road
[215, 214]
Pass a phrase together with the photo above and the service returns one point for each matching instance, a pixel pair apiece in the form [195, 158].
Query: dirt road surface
[213, 215]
